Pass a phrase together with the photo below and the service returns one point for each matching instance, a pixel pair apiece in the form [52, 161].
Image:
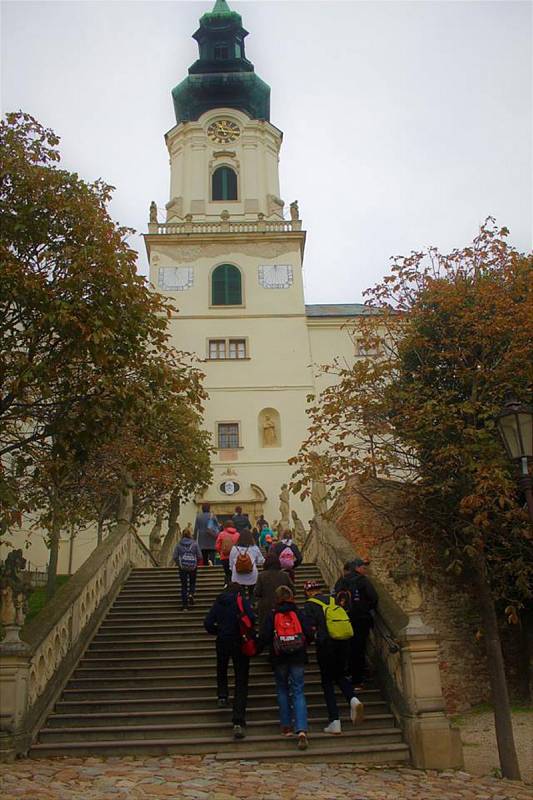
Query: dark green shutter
[226, 287]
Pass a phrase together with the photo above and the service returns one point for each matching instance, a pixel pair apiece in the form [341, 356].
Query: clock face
[223, 131]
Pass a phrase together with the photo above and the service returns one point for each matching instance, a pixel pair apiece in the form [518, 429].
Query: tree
[455, 332]
[84, 341]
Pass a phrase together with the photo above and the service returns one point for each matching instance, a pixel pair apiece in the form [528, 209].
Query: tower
[233, 266]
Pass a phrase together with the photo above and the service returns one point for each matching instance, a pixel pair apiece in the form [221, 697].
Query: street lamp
[515, 424]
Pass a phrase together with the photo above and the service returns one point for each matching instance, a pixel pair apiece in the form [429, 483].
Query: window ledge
[228, 359]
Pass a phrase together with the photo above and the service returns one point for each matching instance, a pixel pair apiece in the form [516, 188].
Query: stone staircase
[147, 685]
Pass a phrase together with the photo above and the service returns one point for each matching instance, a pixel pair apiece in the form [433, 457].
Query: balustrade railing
[209, 227]
[405, 654]
[34, 668]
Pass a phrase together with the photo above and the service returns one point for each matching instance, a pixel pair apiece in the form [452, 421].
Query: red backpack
[288, 634]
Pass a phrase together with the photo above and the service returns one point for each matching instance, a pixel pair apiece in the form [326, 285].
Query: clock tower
[232, 263]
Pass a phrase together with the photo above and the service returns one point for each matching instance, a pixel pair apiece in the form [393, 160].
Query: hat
[359, 562]
[311, 586]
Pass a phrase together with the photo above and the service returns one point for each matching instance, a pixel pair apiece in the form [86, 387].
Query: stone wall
[369, 517]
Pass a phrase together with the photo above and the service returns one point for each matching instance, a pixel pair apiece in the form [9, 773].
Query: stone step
[178, 693]
[375, 716]
[182, 679]
[342, 754]
[259, 731]
[253, 743]
[131, 700]
[260, 671]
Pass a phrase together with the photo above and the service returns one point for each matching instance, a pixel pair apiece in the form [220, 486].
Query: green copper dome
[222, 76]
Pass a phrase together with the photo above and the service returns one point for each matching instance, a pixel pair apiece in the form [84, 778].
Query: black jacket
[222, 619]
[364, 596]
[317, 619]
[266, 637]
[280, 547]
[240, 521]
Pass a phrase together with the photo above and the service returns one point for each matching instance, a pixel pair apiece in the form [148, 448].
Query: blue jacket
[186, 543]
[222, 619]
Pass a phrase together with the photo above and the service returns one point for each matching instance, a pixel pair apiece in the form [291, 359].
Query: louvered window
[226, 289]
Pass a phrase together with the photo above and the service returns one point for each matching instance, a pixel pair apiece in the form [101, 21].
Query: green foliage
[37, 599]
[87, 372]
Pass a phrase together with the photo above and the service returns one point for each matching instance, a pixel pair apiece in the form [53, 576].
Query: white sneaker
[357, 711]
[334, 727]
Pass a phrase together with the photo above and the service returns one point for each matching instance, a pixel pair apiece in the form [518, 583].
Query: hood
[233, 531]
[286, 607]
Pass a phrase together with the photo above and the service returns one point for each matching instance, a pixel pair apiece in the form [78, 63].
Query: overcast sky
[405, 123]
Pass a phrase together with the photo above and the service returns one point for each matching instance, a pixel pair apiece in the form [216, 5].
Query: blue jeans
[291, 699]
[188, 584]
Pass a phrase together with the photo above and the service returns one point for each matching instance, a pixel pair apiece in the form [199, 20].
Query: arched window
[226, 288]
[224, 184]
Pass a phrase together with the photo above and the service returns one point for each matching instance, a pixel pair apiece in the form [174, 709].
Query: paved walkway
[195, 778]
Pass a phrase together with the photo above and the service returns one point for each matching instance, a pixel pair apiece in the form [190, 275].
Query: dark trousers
[207, 556]
[188, 584]
[331, 658]
[226, 649]
[357, 661]
[227, 570]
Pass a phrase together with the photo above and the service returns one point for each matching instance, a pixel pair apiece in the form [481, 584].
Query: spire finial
[221, 7]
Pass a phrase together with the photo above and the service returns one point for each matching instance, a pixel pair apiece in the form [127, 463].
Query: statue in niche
[153, 212]
[284, 506]
[270, 436]
[295, 211]
[299, 530]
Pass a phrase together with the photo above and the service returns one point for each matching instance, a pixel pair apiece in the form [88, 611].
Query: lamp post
[515, 424]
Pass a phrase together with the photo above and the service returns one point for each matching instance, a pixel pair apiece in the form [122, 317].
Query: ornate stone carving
[284, 507]
[153, 212]
[270, 436]
[299, 530]
[14, 591]
[319, 494]
[155, 537]
[295, 211]
[189, 253]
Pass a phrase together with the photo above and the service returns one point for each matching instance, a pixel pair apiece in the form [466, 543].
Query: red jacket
[227, 533]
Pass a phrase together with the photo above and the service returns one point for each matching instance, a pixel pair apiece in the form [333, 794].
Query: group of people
[256, 611]
[240, 550]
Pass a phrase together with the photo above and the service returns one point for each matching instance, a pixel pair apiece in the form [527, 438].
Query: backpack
[212, 524]
[226, 545]
[287, 558]
[246, 631]
[288, 634]
[338, 623]
[188, 561]
[243, 564]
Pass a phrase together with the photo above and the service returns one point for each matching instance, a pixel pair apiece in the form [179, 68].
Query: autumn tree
[455, 332]
[84, 341]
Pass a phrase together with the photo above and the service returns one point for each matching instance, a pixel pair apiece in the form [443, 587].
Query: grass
[37, 599]
[486, 708]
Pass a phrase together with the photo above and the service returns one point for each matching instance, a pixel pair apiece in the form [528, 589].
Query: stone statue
[153, 212]
[319, 495]
[284, 506]
[155, 537]
[295, 211]
[300, 534]
[14, 590]
[270, 437]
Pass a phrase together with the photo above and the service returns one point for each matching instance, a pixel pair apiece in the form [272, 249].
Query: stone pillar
[434, 743]
[14, 682]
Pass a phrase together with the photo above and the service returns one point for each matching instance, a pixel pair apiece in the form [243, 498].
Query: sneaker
[357, 711]
[191, 599]
[222, 702]
[286, 730]
[183, 607]
[210, 563]
[302, 741]
[238, 732]
[334, 727]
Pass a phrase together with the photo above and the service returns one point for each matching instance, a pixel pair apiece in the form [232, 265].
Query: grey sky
[405, 123]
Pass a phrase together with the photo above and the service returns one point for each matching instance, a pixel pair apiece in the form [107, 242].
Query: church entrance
[225, 511]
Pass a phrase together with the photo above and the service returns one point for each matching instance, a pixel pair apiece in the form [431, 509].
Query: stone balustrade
[224, 226]
[405, 654]
[34, 670]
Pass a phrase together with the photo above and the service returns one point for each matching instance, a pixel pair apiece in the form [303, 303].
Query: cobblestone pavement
[196, 778]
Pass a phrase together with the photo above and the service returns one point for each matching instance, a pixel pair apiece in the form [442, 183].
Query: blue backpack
[188, 560]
